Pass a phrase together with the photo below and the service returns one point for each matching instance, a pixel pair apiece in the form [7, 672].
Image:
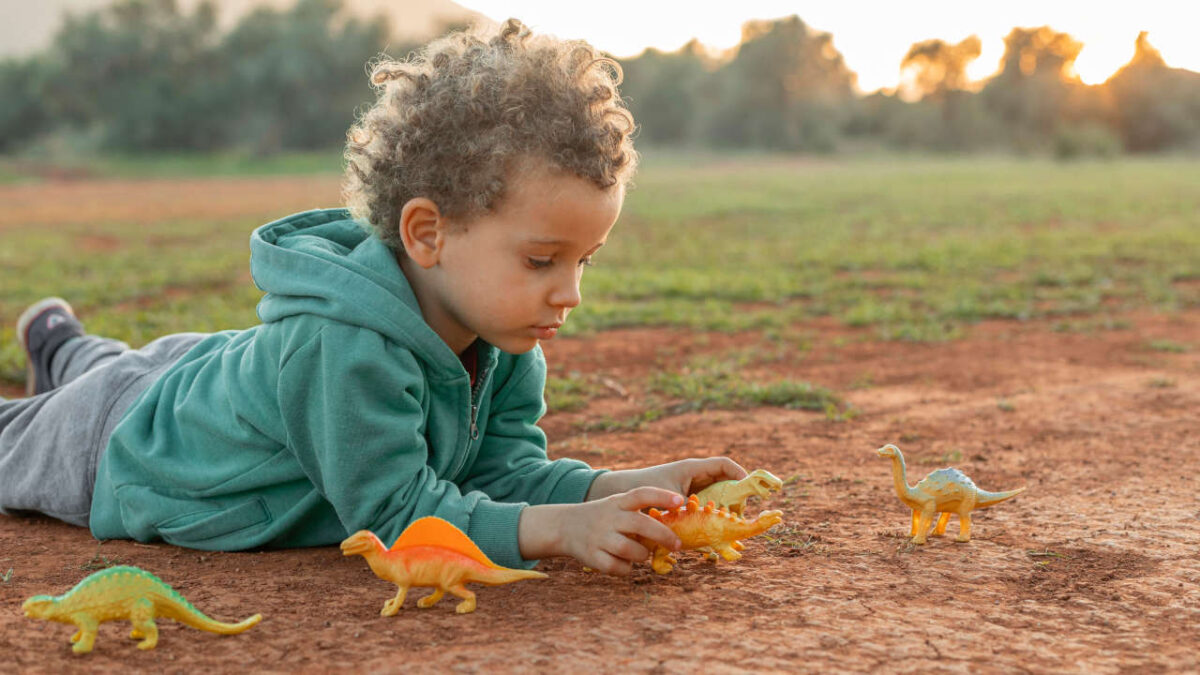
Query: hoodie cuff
[493, 527]
[573, 487]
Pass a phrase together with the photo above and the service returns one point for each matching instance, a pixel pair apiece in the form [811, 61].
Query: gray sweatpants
[50, 444]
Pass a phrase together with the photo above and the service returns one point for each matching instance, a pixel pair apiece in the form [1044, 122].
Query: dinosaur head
[765, 481]
[38, 607]
[361, 543]
[888, 450]
[768, 519]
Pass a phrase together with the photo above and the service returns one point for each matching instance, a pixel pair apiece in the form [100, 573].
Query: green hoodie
[341, 411]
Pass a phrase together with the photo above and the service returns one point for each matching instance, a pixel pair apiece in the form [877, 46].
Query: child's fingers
[723, 467]
[625, 548]
[642, 525]
[609, 564]
[645, 497]
[714, 469]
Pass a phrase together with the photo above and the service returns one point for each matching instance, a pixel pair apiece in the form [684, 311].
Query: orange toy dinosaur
[431, 552]
[707, 528]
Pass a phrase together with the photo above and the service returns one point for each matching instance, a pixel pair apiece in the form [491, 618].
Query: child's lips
[546, 332]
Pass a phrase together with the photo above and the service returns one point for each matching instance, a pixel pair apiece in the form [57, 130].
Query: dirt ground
[1094, 569]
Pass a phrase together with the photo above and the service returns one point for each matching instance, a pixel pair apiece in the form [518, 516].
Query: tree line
[144, 76]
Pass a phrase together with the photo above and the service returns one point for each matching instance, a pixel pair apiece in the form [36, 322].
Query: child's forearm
[539, 531]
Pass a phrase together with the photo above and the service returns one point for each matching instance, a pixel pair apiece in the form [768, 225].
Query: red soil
[1094, 569]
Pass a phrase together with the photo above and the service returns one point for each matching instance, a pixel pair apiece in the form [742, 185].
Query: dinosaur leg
[710, 554]
[916, 521]
[142, 618]
[738, 546]
[78, 634]
[87, 633]
[431, 599]
[392, 606]
[964, 518]
[924, 522]
[468, 604]
[964, 527]
[663, 561]
[727, 552]
[940, 528]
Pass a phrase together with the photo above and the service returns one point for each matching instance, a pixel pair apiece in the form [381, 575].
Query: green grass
[569, 393]
[1167, 346]
[173, 166]
[911, 249]
[916, 249]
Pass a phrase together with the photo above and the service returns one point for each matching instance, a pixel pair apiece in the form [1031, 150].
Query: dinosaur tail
[986, 499]
[495, 576]
[190, 616]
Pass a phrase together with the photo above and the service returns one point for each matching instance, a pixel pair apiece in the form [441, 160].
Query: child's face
[512, 275]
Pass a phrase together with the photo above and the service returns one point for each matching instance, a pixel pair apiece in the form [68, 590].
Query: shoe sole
[23, 323]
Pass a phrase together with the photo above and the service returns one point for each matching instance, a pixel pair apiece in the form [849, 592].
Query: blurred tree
[296, 76]
[1037, 88]
[936, 67]
[24, 114]
[1155, 107]
[660, 89]
[140, 70]
[787, 88]
[948, 116]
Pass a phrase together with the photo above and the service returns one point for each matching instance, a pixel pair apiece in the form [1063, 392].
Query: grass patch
[714, 383]
[1167, 346]
[183, 165]
[570, 393]
[915, 250]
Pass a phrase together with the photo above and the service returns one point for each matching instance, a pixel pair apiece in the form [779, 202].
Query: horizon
[872, 49]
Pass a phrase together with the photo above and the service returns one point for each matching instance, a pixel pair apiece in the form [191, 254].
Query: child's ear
[422, 230]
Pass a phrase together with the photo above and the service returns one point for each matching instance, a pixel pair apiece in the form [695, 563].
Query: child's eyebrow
[550, 241]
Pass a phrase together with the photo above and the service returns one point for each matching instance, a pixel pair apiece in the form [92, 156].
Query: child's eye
[586, 262]
[539, 263]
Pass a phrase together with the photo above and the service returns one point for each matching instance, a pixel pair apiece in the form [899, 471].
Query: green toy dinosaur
[124, 593]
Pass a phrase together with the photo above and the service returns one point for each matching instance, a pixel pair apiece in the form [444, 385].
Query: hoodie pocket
[149, 515]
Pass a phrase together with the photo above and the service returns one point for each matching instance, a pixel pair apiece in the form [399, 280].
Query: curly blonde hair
[453, 122]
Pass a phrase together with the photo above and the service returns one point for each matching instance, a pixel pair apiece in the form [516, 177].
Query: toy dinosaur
[944, 491]
[120, 593]
[732, 494]
[431, 552]
[706, 528]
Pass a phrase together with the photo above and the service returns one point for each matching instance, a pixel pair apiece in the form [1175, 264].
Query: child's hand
[685, 477]
[602, 534]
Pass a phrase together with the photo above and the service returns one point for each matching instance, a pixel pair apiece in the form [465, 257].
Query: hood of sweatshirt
[327, 264]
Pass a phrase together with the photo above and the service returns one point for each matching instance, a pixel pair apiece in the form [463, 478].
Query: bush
[1089, 139]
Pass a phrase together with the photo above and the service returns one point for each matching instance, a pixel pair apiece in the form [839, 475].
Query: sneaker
[41, 330]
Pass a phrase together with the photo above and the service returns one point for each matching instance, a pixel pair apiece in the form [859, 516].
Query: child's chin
[515, 345]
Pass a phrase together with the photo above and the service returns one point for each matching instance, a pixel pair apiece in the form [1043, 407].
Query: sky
[873, 36]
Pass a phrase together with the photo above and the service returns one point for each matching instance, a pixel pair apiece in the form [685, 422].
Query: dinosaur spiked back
[438, 533]
[716, 524]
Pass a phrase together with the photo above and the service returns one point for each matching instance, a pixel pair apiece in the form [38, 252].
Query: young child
[396, 372]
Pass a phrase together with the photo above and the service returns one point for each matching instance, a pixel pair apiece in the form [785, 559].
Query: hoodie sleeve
[512, 463]
[354, 419]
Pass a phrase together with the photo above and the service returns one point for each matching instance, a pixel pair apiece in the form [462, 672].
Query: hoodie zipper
[475, 394]
[473, 431]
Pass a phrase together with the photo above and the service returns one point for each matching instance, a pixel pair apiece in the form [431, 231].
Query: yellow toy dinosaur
[431, 552]
[706, 528]
[120, 593]
[944, 491]
[732, 494]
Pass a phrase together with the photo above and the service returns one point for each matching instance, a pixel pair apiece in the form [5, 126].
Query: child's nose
[566, 294]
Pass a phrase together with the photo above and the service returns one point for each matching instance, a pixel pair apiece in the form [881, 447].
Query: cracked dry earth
[1094, 569]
